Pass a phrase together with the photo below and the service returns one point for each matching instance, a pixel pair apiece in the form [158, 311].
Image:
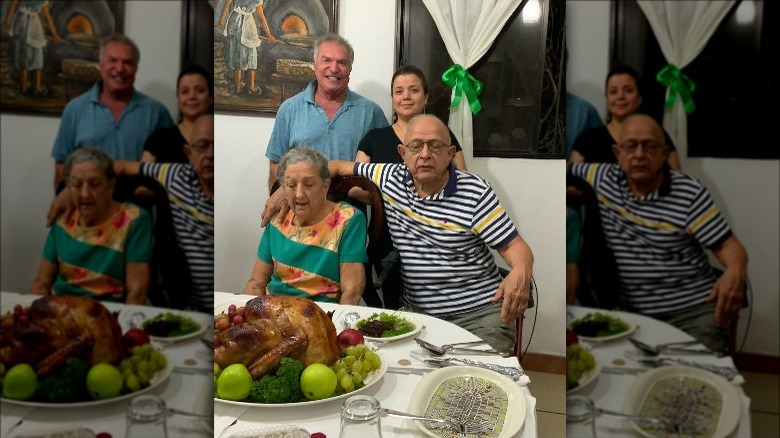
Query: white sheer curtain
[468, 29]
[682, 29]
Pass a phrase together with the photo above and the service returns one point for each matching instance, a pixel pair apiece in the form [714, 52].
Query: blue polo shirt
[87, 122]
[301, 122]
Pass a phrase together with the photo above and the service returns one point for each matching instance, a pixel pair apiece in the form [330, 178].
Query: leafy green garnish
[397, 324]
[597, 325]
[169, 325]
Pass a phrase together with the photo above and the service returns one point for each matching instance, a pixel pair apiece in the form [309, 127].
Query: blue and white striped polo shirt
[193, 220]
[444, 240]
[658, 239]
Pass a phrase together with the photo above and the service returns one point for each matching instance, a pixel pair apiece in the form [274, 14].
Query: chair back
[339, 191]
[599, 278]
[171, 285]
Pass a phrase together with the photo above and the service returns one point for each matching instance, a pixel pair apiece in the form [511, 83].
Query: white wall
[747, 191]
[27, 168]
[531, 190]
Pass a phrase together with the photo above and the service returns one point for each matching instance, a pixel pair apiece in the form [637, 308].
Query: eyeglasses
[649, 146]
[201, 146]
[434, 146]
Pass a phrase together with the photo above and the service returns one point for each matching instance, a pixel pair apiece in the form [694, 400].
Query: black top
[595, 145]
[167, 145]
[381, 144]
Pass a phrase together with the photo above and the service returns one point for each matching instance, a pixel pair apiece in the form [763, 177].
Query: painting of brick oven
[263, 50]
[49, 50]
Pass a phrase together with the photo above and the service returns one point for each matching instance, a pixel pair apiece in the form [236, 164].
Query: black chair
[599, 279]
[171, 286]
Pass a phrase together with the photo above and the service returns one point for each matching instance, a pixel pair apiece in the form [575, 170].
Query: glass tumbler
[146, 417]
[580, 409]
[360, 417]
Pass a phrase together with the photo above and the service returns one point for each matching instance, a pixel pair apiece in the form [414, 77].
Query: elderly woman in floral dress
[102, 248]
[318, 248]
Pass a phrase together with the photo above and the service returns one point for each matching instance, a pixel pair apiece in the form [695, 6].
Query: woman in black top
[195, 91]
[624, 95]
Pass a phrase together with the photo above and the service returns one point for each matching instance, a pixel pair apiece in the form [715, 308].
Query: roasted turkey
[277, 326]
[60, 327]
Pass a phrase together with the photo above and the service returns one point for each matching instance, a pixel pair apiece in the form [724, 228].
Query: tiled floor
[764, 392]
[550, 393]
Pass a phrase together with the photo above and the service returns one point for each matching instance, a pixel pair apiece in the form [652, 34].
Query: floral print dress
[306, 259]
[92, 260]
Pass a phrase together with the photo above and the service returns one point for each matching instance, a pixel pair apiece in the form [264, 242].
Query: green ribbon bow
[456, 76]
[677, 82]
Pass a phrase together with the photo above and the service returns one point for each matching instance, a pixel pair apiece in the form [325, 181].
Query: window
[522, 101]
[736, 77]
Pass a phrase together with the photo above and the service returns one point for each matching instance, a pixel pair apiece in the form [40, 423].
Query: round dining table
[618, 359]
[393, 390]
[188, 388]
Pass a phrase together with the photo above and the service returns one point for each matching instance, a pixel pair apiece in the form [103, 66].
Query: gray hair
[302, 153]
[89, 154]
[334, 38]
[120, 38]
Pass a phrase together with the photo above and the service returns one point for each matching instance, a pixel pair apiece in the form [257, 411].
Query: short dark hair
[409, 70]
[622, 69]
[196, 69]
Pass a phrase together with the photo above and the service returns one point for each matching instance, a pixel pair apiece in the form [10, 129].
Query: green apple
[19, 382]
[234, 383]
[318, 381]
[104, 381]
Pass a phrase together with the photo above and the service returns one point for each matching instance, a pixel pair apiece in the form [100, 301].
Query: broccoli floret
[283, 387]
[66, 384]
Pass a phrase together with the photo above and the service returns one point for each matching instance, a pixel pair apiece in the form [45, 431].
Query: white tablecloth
[190, 392]
[393, 391]
[608, 390]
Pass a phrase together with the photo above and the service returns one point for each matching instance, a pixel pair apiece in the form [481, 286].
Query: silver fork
[461, 428]
[727, 372]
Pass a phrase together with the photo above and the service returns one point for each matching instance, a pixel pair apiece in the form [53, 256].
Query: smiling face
[623, 97]
[194, 96]
[332, 68]
[118, 67]
[92, 190]
[409, 97]
[428, 167]
[305, 191]
[642, 152]
[200, 151]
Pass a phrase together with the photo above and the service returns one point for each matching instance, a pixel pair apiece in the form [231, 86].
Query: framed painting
[49, 50]
[263, 50]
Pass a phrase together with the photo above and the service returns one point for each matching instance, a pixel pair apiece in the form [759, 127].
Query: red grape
[238, 319]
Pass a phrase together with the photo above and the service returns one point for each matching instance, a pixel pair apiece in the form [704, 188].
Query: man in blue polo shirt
[111, 116]
[327, 115]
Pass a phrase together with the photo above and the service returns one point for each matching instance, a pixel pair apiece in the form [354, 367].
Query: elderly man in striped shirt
[444, 221]
[190, 188]
[658, 223]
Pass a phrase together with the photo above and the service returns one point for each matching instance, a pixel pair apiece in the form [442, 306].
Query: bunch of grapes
[19, 316]
[351, 370]
[140, 366]
[578, 360]
[223, 321]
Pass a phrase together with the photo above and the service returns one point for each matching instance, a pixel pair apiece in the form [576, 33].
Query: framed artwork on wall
[49, 51]
[263, 52]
